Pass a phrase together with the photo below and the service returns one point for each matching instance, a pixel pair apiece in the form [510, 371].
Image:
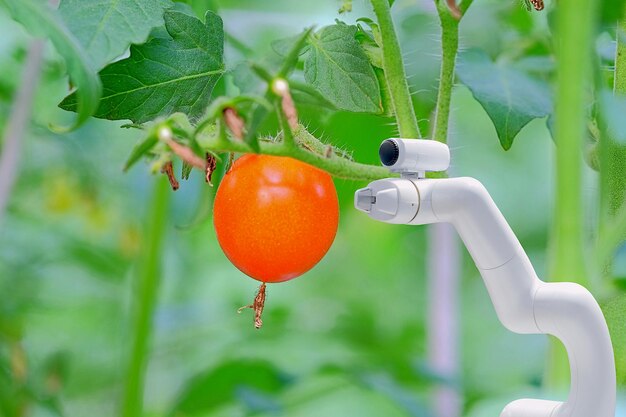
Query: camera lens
[389, 152]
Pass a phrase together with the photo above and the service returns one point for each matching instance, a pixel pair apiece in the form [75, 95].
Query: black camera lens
[389, 152]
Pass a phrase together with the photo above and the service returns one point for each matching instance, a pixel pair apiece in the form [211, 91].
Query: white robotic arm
[523, 303]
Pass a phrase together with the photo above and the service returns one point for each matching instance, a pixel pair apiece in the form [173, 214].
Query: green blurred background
[349, 338]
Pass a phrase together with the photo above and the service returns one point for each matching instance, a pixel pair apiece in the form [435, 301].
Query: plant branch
[449, 49]
[145, 300]
[18, 121]
[333, 164]
[395, 73]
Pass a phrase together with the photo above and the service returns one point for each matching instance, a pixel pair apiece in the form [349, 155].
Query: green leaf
[337, 67]
[39, 19]
[284, 46]
[140, 150]
[185, 170]
[510, 98]
[305, 94]
[164, 76]
[291, 59]
[209, 390]
[615, 313]
[106, 28]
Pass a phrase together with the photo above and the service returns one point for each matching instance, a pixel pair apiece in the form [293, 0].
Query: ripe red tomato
[275, 217]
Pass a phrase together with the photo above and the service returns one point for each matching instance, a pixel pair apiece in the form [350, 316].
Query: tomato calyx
[257, 305]
[211, 163]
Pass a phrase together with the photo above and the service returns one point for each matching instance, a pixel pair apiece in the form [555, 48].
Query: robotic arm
[524, 304]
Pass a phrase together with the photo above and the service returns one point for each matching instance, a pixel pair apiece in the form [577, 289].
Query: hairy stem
[145, 300]
[619, 82]
[575, 33]
[18, 121]
[449, 49]
[333, 164]
[395, 73]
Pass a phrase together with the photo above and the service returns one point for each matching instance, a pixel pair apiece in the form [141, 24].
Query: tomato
[275, 217]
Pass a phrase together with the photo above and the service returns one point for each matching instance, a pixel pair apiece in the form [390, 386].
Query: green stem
[575, 23]
[395, 74]
[288, 139]
[449, 49]
[145, 299]
[575, 34]
[333, 164]
[619, 82]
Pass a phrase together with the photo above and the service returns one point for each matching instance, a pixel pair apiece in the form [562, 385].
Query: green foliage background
[346, 339]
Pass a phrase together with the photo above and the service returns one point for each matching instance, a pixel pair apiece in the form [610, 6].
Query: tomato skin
[275, 217]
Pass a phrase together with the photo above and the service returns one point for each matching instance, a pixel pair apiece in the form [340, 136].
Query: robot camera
[408, 156]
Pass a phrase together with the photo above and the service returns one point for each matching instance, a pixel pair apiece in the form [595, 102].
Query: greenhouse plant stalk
[575, 21]
[145, 299]
[395, 73]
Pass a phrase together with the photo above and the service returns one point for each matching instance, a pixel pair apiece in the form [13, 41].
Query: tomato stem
[395, 73]
[257, 305]
[145, 299]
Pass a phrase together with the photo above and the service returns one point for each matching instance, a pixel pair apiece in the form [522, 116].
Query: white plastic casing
[523, 303]
[392, 200]
[420, 155]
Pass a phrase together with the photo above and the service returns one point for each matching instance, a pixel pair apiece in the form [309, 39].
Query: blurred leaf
[384, 384]
[219, 386]
[245, 79]
[615, 313]
[98, 258]
[510, 98]
[284, 46]
[337, 66]
[56, 370]
[292, 58]
[612, 11]
[105, 29]
[39, 19]
[140, 150]
[164, 76]
[257, 402]
[612, 111]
